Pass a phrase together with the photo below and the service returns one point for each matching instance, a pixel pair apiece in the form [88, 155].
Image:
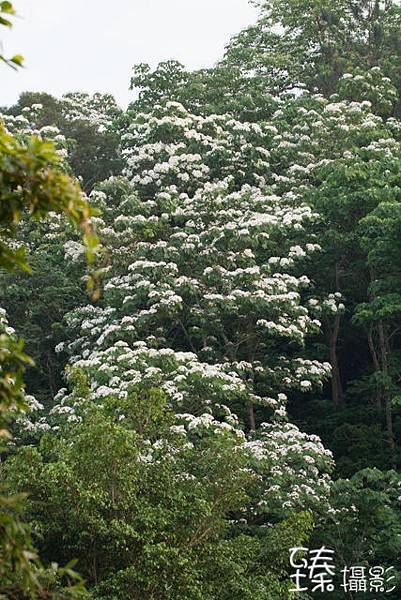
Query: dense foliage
[233, 389]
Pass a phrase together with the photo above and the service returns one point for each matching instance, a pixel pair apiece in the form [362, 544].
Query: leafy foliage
[250, 221]
[30, 182]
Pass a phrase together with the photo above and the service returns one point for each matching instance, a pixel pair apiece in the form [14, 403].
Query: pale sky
[91, 45]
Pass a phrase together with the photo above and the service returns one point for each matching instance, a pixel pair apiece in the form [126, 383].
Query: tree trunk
[94, 570]
[336, 385]
[376, 365]
[251, 417]
[52, 383]
[337, 394]
[384, 352]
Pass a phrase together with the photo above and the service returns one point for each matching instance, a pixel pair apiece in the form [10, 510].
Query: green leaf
[7, 7]
[5, 22]
[18, 60]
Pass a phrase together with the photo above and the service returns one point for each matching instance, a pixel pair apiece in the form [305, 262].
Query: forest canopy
[200, 320]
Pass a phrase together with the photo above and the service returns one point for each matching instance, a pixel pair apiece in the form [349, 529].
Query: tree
[380, 315]
[150, 504]
[363, 523]
[204, 299]
[39, 303]
[31, 182]
[310, 45]
[89, 125]
[223, 89]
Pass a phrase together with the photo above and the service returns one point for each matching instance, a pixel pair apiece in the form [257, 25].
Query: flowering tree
[156, 505]
[250, 222]
[204, 297]
[310, 45]
[223, 89]
[171, 147]
[84, 127]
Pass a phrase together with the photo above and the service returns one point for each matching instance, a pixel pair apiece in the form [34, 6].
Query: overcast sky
[91, 45]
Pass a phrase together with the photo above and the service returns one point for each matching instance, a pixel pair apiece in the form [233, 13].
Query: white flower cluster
[99, 109]
[206, 245]
[73, 250]
[175, 148]
[5, 327]
[294, 469]
[27, 124]
[187, 382]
